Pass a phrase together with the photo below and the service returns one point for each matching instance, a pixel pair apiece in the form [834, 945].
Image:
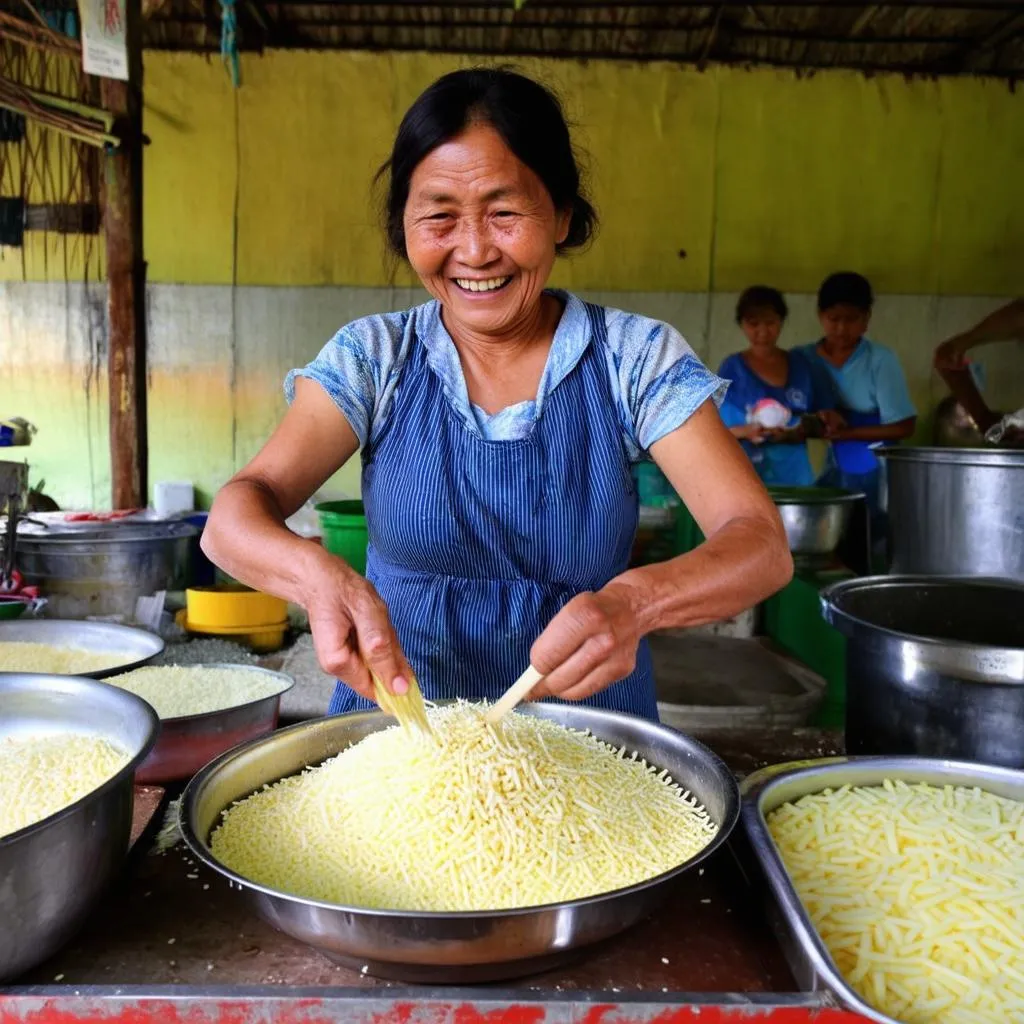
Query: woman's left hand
[590, 644]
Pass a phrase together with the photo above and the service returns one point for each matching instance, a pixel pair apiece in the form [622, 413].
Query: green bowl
[10, 609]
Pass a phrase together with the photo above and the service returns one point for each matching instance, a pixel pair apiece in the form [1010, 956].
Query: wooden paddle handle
[514, 695]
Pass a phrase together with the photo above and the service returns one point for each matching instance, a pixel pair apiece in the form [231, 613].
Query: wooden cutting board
[149, 802]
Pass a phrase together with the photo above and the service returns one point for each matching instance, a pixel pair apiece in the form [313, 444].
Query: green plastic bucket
[343, 526]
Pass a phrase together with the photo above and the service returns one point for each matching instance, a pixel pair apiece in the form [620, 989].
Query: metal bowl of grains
[55, 868]
[189, 741]
[452, 947]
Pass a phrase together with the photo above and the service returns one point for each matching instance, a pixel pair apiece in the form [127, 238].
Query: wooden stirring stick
[513, 695]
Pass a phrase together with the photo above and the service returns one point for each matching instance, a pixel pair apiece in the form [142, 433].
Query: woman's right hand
[352, 631]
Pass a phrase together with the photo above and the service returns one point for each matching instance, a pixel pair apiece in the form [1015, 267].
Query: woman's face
[762, 328]
[481, 232]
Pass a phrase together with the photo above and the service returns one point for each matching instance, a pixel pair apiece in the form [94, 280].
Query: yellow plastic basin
[233, 607]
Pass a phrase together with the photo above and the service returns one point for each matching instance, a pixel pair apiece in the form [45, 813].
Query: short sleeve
[733, 408]
[891, 391]
[661, 381]
[357, 369]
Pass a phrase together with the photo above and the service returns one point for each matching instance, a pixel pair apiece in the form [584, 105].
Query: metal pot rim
[828, 496]
[229, 666]
[201, 848]
[836, 590]
[1009, 458]
[114, 780]
[91, 534]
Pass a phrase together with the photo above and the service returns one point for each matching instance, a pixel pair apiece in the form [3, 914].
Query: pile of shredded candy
[918, 893]
[19, 656]
[41, 775]
[480, 817]
[180, 691]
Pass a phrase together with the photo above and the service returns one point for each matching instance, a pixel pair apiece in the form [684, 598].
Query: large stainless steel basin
[451, 947]
[135, 646]
[934, 666]
[53, 873]
[99, 569]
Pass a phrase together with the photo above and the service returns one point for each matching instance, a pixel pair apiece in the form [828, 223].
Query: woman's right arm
[247, 537]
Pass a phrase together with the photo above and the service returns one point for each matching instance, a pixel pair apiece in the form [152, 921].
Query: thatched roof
[941, 37]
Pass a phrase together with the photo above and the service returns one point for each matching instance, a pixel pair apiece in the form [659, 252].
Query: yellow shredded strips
[176, 691]
[918, 893]
[20, 656]
[41, 775]
[479, 817]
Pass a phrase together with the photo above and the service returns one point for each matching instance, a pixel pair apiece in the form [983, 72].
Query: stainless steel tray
[135, 644]
[762, 792]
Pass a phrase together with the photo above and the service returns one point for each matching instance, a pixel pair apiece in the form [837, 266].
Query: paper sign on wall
[104, 45]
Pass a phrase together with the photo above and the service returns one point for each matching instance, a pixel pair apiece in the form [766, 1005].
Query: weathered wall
[262, 240]
[218, 355]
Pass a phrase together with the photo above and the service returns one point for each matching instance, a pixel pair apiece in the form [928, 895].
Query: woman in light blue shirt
[497, 425]
[870, 388]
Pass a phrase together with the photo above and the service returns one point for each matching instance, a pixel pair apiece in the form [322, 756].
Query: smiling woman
[497, 425]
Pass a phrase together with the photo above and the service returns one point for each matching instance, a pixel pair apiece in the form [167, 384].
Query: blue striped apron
[475, 545]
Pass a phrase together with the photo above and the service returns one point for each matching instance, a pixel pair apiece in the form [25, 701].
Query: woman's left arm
[592, 642]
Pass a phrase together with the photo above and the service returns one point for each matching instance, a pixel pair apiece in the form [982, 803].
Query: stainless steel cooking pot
[956, 512]
[934, 666]
[103, 568]
[53, 873]
[451, 947]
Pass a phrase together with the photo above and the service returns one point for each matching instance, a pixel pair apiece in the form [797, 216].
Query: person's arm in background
[1005, 324]
[892, 397]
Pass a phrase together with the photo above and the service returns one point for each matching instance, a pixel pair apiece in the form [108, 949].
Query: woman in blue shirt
[765, 373]
[497, 425]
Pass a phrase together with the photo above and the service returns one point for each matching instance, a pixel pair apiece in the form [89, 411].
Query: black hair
[758, 297]
[525, 114]
[846, 289]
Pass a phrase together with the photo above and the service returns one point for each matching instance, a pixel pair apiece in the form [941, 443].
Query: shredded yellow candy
[177, 691]
[918, 893]
[479, 817]
[19, 656]
[41, 775]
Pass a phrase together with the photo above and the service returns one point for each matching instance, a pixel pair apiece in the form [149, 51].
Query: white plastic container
[172, 497]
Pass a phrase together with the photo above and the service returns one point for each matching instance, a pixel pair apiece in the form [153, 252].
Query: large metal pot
[103, 568]
[53, 873]
[934, 666]
[815, 520]
[451, 947]
[956, 512]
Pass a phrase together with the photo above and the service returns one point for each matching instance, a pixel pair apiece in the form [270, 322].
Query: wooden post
[126, 276]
